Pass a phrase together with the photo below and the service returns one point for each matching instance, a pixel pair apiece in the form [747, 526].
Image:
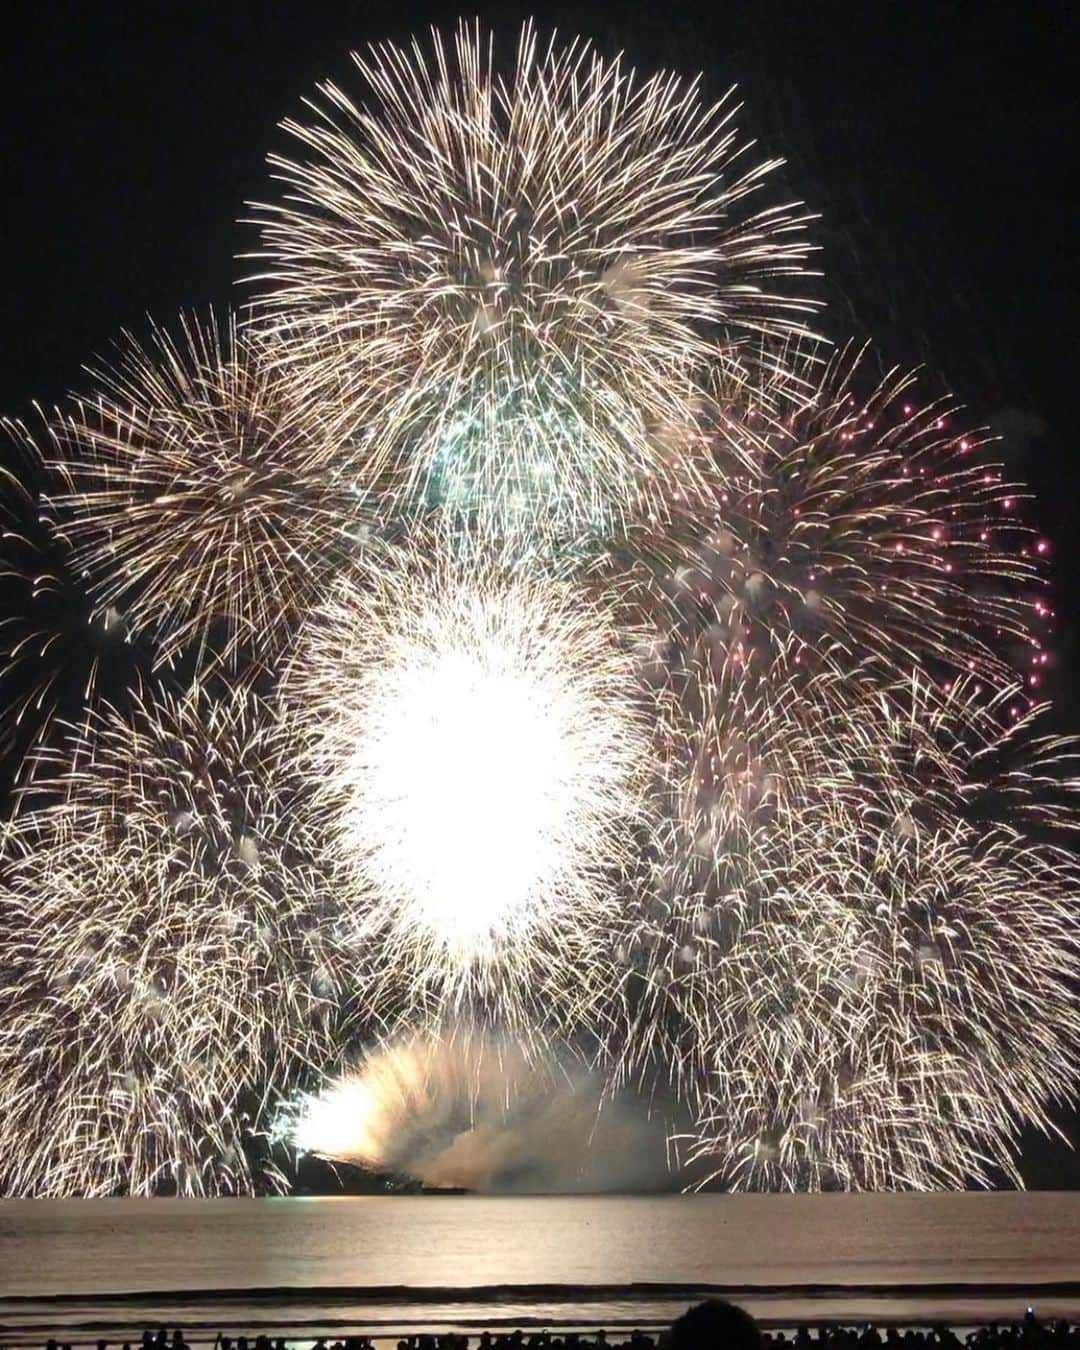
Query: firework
[844, 940]
[165, 951]
[203, 501]
[477, 742]
[818, 951]
[58, 650]
[409, 1098]
[846, 526]
[530, 266]
[636, 684]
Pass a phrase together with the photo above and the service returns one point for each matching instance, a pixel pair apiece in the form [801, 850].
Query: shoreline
[420, 1294]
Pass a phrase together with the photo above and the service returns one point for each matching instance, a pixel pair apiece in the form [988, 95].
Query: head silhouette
[715, 1325]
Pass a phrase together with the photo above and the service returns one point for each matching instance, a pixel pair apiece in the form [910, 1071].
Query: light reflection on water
[308, 1265]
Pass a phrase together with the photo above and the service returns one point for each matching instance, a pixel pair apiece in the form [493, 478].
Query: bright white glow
[363, 1116]
[340, 1123]
[476, 767]
[479, 750]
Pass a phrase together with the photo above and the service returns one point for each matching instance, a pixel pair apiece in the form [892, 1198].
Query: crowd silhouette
[713, 1325]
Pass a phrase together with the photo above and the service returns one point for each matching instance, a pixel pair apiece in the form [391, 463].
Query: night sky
[938, 141]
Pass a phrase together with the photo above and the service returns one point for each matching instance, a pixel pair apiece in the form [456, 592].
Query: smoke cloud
[484, 1114]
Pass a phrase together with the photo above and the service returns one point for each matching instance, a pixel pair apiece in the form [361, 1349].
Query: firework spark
[530, 267]
[203, 500]
[842, 528]
[818, 951]
[841, 937]
[477, 740]
[58, 650]
[165, 954]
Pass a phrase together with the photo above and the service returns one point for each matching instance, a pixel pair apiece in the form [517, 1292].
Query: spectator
[715, 1325]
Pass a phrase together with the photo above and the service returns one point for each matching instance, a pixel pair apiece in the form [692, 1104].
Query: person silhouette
[715, 1324]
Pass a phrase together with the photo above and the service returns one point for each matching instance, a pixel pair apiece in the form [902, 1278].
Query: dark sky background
[938, 141]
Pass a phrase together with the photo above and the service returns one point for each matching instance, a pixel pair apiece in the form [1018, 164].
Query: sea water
[299, 1267]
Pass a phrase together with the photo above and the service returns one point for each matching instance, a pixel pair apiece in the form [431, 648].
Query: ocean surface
[383, 1264]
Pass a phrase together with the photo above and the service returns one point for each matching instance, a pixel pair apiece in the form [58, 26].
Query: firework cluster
[516, 624]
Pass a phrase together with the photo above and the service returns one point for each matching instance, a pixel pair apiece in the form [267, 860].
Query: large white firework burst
[478, 744]
[844, 524]
[851, 856]
[530, 265]
[166, 954]
[202, 498]
[890, 972]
